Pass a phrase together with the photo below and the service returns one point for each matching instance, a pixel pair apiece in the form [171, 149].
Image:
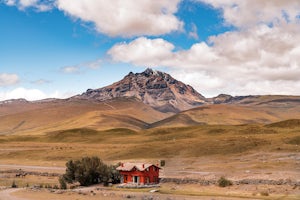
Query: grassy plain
[250, 151]
[260, 146]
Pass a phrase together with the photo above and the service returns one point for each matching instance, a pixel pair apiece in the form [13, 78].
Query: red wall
[152, 174]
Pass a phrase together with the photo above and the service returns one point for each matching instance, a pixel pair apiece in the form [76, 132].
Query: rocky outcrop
[157, 89]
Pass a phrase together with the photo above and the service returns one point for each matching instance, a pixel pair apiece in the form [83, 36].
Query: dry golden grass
[40, 118]
[196, 152]
[28, 181]
[231, 115]
[220, 143]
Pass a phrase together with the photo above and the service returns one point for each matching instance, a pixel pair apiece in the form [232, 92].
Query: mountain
[157, 89]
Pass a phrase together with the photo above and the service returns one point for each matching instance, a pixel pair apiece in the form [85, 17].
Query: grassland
[255, 151]
[238, 142]
[113, 145]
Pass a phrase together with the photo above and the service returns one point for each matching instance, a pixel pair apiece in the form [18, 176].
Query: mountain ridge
[157, 89]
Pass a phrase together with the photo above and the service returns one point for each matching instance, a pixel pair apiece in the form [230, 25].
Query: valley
[251, 140]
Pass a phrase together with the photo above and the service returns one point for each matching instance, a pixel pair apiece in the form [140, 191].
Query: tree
[90, 170]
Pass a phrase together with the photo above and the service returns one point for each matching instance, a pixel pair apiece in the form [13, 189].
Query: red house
[139, 173]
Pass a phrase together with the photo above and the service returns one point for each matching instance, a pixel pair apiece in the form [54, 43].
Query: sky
[60, 48]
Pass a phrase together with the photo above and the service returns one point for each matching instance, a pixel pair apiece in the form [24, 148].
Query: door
[136, 179]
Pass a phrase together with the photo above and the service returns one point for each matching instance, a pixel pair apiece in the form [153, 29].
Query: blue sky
[59, 48]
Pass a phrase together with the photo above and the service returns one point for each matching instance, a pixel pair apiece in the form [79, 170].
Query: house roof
[138, 166]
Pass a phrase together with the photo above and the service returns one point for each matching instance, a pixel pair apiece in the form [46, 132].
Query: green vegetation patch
[291, 123]
[294, 140]
[86, 135]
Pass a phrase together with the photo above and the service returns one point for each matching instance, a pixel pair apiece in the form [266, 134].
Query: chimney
[143, 165]
[122, 164]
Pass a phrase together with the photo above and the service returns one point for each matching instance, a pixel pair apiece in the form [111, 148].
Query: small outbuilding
[139, 173]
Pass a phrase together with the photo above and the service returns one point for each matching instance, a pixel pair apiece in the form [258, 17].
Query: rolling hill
[142, 101]
[44, 116]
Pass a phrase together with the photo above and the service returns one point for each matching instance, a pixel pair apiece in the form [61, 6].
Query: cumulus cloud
[244, 13]
[31, 94]
[240, 63]
[142, 51]
[126, 18]
[8, 79]
[39, 5]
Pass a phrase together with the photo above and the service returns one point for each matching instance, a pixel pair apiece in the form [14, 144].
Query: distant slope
[40, 117]
[291, 123]
[258, 100]
[232, 114]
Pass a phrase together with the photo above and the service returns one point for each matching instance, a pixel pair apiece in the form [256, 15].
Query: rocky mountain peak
[157, 89]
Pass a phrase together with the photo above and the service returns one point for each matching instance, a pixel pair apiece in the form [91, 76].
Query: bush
[223, 182]
[55, 187]
[265, 193]
[62, 183]
[14, 185]
[90, 170]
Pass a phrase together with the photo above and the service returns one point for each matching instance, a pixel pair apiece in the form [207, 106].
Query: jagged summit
[157, 89]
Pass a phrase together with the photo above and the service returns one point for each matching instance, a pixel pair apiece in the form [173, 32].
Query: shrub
[90, 170]
[223, 182]
[14, 185]
[265, 193]
[62, 183]
[55, 187]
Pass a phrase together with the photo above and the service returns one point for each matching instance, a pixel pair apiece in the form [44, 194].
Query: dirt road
[6, 194]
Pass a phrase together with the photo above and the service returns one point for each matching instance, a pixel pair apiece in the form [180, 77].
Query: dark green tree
[90, 170]
[62, 183]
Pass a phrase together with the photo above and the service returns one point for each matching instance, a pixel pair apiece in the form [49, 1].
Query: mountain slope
[233, 114]
[154, 88]
[46, 116]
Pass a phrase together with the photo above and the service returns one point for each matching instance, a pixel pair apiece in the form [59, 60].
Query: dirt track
[6, 194]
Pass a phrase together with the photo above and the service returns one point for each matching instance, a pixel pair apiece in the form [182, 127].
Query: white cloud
[261, 60]
[92, 64]
[80, 68]
[31, 94]
[39, 5]
[126, 17]
[142, 51]
[10, 2]
[40, 82]
[8, 79]
[71, 69]
[245, 13]
[194, 32]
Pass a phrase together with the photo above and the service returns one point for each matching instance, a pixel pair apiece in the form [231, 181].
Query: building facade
[139, 173]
